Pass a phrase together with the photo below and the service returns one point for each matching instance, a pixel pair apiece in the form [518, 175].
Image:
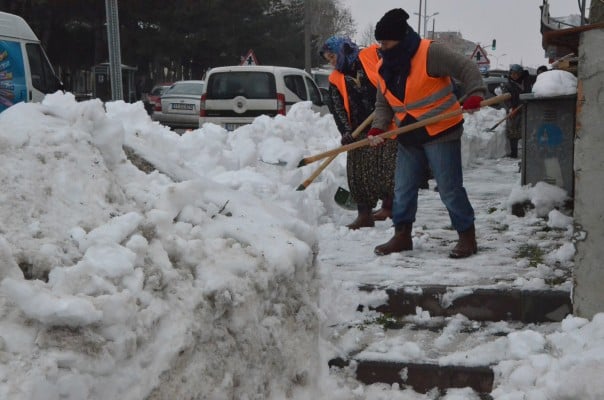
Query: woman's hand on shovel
[374, 139]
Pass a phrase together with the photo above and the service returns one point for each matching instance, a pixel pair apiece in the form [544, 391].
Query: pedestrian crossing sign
[479, 56]
[249, 59]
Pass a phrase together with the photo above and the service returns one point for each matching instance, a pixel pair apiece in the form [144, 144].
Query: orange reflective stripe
[425, 96]
[369, 58]
[339, 81]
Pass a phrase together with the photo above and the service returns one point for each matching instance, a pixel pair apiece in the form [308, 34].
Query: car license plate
[182, 106]
[232, 127]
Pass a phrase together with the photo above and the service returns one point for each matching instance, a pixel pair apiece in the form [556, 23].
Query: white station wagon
[235, 95]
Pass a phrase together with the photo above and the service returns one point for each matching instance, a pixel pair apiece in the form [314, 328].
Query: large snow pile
[122, 284]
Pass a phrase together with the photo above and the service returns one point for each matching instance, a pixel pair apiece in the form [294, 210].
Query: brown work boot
[363, 220]
[466, 246]
[401, 241]
[385, 212]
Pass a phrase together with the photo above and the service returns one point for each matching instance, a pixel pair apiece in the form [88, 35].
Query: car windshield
[185, 88]
[158, 90]
[250, 84]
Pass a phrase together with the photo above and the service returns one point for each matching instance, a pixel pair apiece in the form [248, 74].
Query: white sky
[514, 23]
[198, 281]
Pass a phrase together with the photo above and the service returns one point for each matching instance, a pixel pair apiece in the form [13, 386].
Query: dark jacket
[516, 88]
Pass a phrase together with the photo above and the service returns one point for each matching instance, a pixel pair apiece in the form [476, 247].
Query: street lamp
[426, 18]
[497, 58]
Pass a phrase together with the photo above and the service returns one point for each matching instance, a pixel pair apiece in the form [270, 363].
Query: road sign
[249, 59]
[479, 56]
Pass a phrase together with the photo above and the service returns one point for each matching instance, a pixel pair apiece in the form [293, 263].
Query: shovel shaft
[317, 172]
[393, 133]
[325, 163]
[511, 114]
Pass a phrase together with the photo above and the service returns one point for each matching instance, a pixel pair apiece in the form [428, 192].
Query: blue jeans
[411, 167]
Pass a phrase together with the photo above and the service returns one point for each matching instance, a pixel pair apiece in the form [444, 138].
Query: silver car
[180, 105]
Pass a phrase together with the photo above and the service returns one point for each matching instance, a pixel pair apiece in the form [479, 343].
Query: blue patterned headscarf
[345, 50]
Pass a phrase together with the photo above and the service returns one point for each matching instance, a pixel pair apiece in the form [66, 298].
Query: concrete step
[422, 377]
[424, 353]
[478, 304]
[444, 337]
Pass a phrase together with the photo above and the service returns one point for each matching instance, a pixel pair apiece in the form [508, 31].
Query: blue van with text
[25, 71]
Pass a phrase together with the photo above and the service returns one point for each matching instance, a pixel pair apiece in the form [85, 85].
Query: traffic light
[493, 45]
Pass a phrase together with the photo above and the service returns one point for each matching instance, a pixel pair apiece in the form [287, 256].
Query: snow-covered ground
[212, 277]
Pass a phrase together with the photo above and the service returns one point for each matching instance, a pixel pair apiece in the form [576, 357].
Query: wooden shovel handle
[398, 131]
[325, 163]
[511, 114]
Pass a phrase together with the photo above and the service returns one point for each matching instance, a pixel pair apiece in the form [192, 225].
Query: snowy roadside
[172, 278]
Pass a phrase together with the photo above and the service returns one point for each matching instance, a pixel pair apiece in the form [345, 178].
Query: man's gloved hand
[347, 139]
[472, 103]
[372, 135]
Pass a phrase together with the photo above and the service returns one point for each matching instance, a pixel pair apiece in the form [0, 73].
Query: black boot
[466, 246]
[385, 212]
[364, 219]
[401, 241]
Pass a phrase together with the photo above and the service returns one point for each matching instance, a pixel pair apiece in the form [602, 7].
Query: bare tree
[330, 18]
[368, 36]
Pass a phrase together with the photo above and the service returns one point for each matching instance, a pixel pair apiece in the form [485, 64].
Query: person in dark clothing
[519, 81]
[352, 89]
[415, 84]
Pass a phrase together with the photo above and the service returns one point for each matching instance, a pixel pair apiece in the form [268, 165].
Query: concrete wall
[588, 291]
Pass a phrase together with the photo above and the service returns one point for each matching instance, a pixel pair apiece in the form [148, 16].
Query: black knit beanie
[392, 26]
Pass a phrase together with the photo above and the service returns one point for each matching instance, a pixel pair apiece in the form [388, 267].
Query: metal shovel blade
[344, 199]
[279, 163]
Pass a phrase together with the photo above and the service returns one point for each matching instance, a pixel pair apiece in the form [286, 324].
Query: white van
[321, 77]
[25, 72]
[234, 96]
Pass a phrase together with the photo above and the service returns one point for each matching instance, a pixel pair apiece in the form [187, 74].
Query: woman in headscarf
[352, 91]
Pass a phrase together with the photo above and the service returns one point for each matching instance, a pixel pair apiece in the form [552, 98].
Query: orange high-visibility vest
[425, 96]
[369, 59]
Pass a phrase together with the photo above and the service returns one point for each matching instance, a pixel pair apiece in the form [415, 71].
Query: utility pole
[115, 58]
[425, 16]
[307, 65]
[419, 18]
[596, 12]
[588, 298]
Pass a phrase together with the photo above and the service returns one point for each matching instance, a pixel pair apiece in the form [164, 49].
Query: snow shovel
[344, 199]
[395, 132]
[325, 163]
[511, 114]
